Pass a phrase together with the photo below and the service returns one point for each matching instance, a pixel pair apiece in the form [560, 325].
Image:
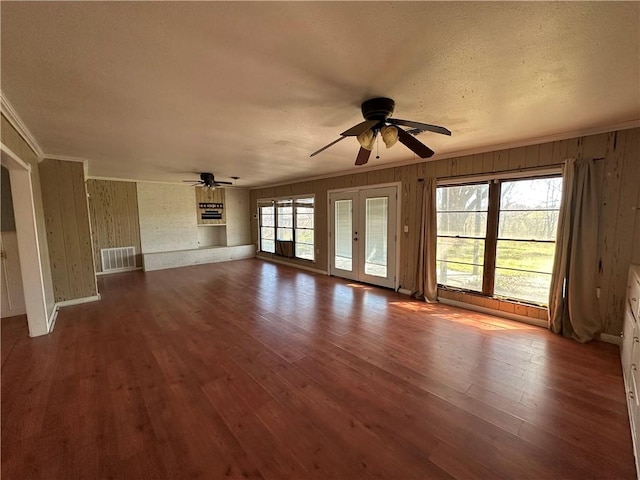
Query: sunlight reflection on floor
[469, 318]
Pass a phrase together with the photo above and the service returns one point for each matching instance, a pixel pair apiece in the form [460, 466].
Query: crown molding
[64, 158]
[16, 122]
[465, 153]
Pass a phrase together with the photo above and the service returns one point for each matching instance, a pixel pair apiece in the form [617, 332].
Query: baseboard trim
[404, 291]
[609, 338]
[294, 265]
[120, 270]
[51, 321]
[496, 313]
[78, 301]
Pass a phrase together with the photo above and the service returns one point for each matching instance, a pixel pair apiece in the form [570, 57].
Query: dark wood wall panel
[113, 207]
[67, 224]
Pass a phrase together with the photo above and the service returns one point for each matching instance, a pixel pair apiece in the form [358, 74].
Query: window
[462, 226]
[498, 238]
[304, 228]
[267, 228]
[286, 227]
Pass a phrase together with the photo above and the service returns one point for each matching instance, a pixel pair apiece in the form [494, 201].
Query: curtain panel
[426, 284]
[573, 304]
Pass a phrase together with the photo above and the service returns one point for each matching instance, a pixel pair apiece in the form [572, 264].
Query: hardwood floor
[253, 370]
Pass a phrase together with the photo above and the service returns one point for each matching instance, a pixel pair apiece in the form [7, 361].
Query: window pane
[530, 256]
[304, 220]
[531, 194]
[525, 286]
[267, 232]
[375, 240]
[459, 275]
[460, 262]
[268, 210]
[268, 220]
[285, 234]
[460, 250]
[304, 251]
[467, 224]
[285, 220]
[304, 236]
[462, 198]
[343, 231]
[268, 246]
[531, 225]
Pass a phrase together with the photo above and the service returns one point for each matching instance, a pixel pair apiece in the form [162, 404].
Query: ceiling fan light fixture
[389, 135]
[366, 139]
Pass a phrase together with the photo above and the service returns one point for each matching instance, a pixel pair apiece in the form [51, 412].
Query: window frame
[277, 202]
[492, 226]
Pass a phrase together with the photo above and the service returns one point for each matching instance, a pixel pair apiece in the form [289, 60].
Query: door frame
[357, 189]
[28, 246]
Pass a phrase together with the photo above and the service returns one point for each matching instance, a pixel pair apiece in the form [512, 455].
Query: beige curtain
[426, 284]
[573, 307]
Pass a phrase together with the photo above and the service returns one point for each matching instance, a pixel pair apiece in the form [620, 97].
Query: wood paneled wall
[12, 139]
[66, 215]
[619, 226]
[113, 209]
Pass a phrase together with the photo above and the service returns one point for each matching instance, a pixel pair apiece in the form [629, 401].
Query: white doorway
[11, 293]
[362, 235]
[27, 240]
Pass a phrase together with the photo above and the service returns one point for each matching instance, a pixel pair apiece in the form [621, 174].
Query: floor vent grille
[118, 259]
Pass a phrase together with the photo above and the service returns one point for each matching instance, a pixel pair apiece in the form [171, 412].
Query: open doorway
[11, 290]
[27, 242]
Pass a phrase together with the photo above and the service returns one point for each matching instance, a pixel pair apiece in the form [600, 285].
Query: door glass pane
[376, 236]
[343, 230]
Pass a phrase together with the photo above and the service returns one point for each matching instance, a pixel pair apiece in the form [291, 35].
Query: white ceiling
[157, 90]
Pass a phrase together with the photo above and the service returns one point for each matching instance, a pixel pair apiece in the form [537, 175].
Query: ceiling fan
[207, 180]
[377, 114]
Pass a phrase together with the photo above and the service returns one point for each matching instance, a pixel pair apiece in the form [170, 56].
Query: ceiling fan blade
[360, 128]
[420, 126]
[326, 146]
[414, 144]
[363, 156]
[222, 183]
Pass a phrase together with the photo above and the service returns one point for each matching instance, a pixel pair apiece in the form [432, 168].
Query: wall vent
[118, 259]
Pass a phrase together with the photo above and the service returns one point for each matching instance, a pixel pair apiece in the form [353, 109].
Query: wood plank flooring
[249, 369]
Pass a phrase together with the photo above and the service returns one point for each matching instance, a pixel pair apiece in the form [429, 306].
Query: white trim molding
[15, 158]
[16, 122]
[51, 321]
[609, 338]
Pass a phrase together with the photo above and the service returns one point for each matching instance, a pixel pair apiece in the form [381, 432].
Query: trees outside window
[498, 238]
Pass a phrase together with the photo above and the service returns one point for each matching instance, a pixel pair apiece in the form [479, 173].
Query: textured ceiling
[157, 90]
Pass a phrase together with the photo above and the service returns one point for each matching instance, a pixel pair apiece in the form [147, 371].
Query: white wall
[167, 216]
[238, 216]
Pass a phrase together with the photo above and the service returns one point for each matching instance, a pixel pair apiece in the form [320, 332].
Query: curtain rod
[522, 169]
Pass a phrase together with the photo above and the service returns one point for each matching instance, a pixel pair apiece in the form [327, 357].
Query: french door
[363, 235]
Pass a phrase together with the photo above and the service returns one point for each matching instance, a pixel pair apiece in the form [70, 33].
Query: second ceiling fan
[377, 113]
